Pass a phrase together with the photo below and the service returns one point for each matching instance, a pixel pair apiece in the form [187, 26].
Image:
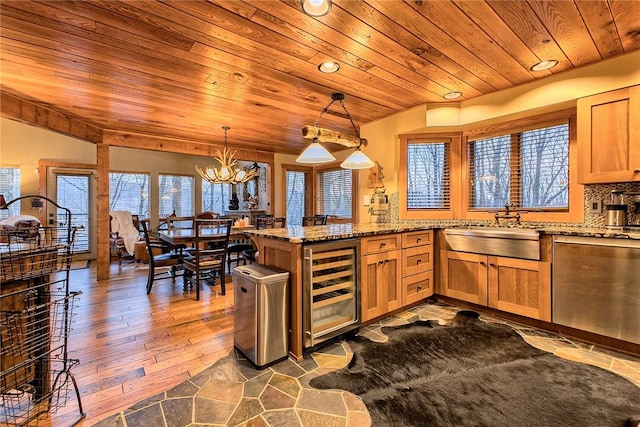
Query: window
[129, 192]
[176, 195]
[335, 192]
[428, 180]
[10, 189]
[215, 197]
[529, 169]
[296, 196]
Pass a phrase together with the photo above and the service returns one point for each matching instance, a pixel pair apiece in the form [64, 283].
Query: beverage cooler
[331, 293]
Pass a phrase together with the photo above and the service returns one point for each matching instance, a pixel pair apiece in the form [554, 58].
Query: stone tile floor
[232, 393]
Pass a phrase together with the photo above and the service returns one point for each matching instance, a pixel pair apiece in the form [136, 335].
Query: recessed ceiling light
[452, 95]
[315, 7]
[544, 65]
[329, 67]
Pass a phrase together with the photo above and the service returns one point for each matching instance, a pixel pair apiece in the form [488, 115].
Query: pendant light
[316, 153]
[227, 173]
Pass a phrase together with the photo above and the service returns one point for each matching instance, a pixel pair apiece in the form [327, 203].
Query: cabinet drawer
[418, 287]
[389, 242]
[417, 260]
[417, 238]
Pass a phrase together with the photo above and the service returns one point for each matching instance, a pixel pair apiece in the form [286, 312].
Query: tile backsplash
[599, 192]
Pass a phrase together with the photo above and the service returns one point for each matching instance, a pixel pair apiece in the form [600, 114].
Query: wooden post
[103, 248]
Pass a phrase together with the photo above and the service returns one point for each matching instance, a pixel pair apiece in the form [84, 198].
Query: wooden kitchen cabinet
[609, 137]
[520, 286]
[417, 266]
[464, 276]
[380, 276]
[508, 284]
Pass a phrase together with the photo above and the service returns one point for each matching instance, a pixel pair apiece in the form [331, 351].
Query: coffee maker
[616, 210]
[635, 202]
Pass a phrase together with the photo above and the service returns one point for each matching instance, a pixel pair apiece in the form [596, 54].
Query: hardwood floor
[131, 345]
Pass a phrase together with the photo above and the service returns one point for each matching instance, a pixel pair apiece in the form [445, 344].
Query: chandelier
[227, 173]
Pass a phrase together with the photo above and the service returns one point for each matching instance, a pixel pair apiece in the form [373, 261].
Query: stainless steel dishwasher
[596, 285]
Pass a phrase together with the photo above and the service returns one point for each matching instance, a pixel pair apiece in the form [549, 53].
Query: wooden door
[464, 276]
[520, 286]
[608, 137]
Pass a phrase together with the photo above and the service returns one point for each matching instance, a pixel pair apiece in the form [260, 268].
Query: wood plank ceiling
[183, 69]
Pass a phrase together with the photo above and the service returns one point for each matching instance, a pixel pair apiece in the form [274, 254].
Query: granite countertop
[319, 233]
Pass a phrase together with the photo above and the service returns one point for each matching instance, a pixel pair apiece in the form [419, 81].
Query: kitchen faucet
[508, 214]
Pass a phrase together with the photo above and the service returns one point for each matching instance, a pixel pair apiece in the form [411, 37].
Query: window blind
[215, 197]
[529, 169]
[129, 192]
[295, 197]
[335, 193]
[545, 167]
[10, 189]
[490, 172]
[428, 175]
[176, 195]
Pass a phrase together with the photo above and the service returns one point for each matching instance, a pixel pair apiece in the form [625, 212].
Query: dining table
[186, 236]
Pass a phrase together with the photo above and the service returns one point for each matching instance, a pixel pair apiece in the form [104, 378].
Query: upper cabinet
[609, 137]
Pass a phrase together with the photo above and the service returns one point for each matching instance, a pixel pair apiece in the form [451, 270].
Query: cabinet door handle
[492, 265]
[419, 261]
[483, 263]
[380, 262]
[419, 287]
[418, 239]
[636, 170]
[383, 244]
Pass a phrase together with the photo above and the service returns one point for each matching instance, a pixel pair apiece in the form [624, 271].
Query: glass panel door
[73, 192]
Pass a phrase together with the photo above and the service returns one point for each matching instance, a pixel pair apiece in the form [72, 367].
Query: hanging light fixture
[227, 173]
[316, 153]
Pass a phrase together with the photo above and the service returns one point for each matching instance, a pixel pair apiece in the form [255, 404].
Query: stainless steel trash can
[261, 321]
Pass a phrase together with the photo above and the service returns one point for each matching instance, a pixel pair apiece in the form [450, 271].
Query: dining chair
[250, 255]
[211, 239]
[314, 220]
[160, 254]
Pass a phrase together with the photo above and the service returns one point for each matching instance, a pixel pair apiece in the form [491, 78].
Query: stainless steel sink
[501, 241]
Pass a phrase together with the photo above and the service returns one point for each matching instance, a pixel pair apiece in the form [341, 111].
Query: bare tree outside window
[176, 195]
[215, 197]
[295, 197]
[10, 189]
[545, 167]
[427, 176]
[537, 178]
[491, 172]
[129, 192]
[336, 192]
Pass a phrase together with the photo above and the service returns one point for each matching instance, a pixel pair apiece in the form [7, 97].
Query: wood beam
[30, 113]
[181, 146]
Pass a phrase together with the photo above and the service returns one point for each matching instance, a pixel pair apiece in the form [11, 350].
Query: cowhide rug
[472, 373]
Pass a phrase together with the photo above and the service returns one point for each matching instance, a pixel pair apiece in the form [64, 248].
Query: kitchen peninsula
[395, 266]
[381, 250]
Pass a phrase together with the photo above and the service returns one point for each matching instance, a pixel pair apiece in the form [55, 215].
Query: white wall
[23, 145]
